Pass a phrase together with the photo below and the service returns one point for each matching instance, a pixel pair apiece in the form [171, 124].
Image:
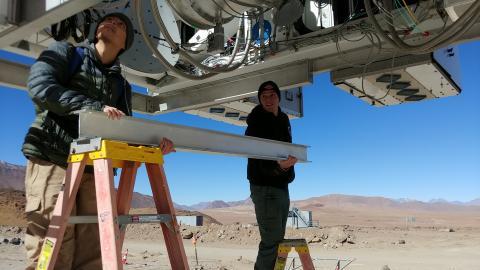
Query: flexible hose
[186, 55]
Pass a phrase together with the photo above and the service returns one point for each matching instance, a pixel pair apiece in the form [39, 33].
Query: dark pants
[271, 210]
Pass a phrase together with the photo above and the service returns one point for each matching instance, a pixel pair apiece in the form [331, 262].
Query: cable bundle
[446, 37]
[70, 28]
[207, 70]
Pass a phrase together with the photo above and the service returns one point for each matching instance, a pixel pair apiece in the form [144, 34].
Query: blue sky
[424, 150]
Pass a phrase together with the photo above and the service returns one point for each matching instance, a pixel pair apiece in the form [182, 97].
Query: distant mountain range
[475, 202]
[220, 204]
[145, 201]
[340, 201]
[12, 177]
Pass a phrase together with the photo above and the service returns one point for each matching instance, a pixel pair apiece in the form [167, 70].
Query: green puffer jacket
[56, 94]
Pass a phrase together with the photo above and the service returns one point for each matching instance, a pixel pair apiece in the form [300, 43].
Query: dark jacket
[266, 125]
[56, 94]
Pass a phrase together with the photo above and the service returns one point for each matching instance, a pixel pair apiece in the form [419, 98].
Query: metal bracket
[85, 145]
[125, 219]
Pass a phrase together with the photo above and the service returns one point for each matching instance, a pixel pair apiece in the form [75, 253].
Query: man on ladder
[62, 80]
[269, 179]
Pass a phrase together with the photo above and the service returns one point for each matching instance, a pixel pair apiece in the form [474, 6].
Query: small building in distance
[190, 220]
[299, 219]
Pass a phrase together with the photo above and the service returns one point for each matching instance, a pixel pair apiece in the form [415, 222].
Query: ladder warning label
[45, 255]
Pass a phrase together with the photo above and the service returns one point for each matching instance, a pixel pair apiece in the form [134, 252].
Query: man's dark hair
[268, 85]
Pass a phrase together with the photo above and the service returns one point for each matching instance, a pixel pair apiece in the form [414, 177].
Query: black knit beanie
[268, 85]
[129, 32]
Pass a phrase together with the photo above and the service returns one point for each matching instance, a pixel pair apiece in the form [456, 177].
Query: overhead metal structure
[215, 53]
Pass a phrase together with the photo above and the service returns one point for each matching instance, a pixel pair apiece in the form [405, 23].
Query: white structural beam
[139, 131]
[234, 88]
[39, 19]
[13, 75]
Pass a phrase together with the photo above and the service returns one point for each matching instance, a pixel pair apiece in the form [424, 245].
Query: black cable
[60, 30]
[418, 4]
[97, 14]
[88, 20]
[69, 27]
[72, 21]
[54, 32]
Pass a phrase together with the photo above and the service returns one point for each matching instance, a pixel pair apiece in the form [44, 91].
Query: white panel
[200, 37]
[53, 3]
[314, 17]
[171, 24]
[433, 80]
[372, 89]
[455, 8]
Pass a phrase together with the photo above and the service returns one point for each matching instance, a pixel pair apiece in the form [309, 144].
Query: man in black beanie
[269, 179]
[64, 79]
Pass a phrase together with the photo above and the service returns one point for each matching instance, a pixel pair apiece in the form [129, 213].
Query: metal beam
[39, 19]
[124, 219]
[321, 48]
[234, 88]
[26, 48]
[95, 124]
[143, 103]
[13, 75]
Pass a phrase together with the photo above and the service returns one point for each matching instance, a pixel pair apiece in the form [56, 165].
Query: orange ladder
[111, 207]
[301, 248]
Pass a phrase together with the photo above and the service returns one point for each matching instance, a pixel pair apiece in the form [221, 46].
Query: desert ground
[362, 237]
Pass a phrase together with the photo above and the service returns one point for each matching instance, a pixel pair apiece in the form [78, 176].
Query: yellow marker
[280, 263]
[302, 249]
[45, 255]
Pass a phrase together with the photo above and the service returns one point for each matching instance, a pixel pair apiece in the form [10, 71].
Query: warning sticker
[45, 255]
[280, 263]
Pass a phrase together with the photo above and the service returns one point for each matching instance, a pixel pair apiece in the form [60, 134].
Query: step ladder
[300, 246]
[113, 208]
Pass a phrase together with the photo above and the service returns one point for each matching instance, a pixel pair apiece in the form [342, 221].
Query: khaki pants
[80, 247]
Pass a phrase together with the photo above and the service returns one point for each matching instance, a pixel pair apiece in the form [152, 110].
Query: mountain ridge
[12, 178]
